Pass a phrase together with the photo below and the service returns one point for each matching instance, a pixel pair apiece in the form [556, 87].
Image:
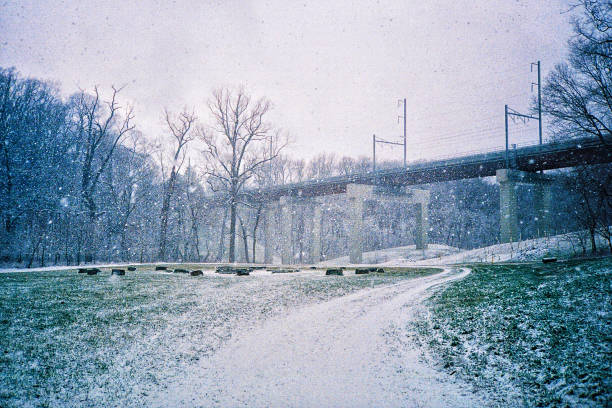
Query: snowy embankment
[562, 246]
[397, 255]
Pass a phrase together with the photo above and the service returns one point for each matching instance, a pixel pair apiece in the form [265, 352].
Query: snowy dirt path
[341, 353]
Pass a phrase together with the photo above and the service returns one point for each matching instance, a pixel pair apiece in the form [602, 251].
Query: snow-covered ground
[529, 334]
[299, 339]
[346, 352]
[64, 267]
[153, 338]
[562, 246]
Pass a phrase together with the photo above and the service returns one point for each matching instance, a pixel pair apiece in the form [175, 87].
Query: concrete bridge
[518, 166]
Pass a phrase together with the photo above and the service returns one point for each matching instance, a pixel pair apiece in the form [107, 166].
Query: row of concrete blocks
[358, 195]
[114, 271]
[197, 272]
[358, 271]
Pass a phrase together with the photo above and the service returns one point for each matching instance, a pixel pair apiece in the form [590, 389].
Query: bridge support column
[421, 197]
[315, 247]
[508, 182]
[543, 201]
[269, 221]
[508, 208]
[357, 195]
[286, 211]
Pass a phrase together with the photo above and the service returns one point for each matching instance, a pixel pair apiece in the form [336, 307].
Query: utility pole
[373, 153]
[506, 122]
[270, 164]
[383, 141]
[539, 99]
[399, 101]
[380, 140]
[405, 131]
[511, 112]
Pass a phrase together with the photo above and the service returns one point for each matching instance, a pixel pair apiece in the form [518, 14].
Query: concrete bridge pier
[509, 181]
[286, 211]
[543, 201]
[508, 222]
[421, 199]
[269, 211]
[358, 194]
[315, 244]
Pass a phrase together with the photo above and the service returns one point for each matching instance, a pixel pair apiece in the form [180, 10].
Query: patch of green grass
[536, 335]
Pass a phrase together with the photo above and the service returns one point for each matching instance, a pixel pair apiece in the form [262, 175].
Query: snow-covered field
[349, 351]
[153, 338]
[304, 339]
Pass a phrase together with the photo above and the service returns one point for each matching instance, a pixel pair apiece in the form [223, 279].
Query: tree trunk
[257, 218]
[34, 250]
[195, 238]
[221, 251]
[124, 252]
[163, 229]
[593, 242]
[165, 212]
[42, 256]
[245, 241]
[232, 232]
[90, 228]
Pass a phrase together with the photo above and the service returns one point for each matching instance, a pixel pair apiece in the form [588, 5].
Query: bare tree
[129, 170]
[196, 207]
[578, 98]
[236, 147]
[99, 128]
[180, 126]
[321, 166]
[578, 95]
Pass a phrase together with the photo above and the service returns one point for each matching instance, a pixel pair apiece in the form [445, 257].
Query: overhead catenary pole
[513, 113]
[506, 124]
[270, 164]
[373, 152]
[537, 64]
[539, 104]
[405, 132]
[376, 140]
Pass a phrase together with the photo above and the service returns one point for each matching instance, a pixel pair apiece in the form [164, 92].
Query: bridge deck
[532, 158]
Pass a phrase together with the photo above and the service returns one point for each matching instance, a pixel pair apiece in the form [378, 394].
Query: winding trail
[347, 352]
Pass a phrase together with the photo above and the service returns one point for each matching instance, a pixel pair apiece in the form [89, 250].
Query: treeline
[79, 183]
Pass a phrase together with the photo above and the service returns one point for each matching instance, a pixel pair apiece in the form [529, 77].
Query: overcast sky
[334, 70]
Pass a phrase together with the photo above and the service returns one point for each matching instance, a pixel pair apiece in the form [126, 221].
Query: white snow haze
[333, 70]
